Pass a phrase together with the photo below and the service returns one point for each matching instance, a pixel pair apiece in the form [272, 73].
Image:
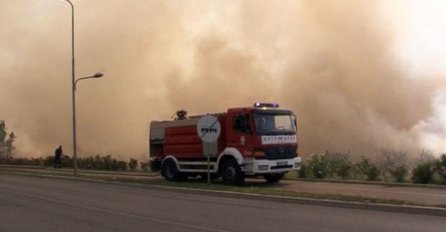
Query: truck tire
[170, 171]
[273, 177]
[231, 173]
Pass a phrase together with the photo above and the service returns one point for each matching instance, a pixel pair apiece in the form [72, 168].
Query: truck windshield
[274, 123]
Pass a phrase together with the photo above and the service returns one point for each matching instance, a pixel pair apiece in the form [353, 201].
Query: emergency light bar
[270, 105]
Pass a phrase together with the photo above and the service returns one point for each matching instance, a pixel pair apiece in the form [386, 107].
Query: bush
[108, 162]
[399, 173]
[303, 171]
[144, 166]
[88, 162]
[422, 173]
[439, 170]
[133, 163]
[121, 166]
[67, 161]
[22, 161]
[344, 169]
[443, 160]
[393, 164]
[98, 162]
[318, 166]
[48, 161]
[339, 165]
[368, 169]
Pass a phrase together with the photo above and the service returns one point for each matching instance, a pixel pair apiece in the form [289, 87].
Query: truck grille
[280, 153]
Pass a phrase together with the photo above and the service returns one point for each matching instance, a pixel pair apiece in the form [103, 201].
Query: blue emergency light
[269, 105]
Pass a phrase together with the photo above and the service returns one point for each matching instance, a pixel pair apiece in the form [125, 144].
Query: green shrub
[443, 160]
[121, 166]
[133, 163]
[399, 173]
[108, 162]
[392, 164]
[344, 169]
[67, 161]
[368, 169]
[144, 166]
[439, 170]
[422, 173]
[98, 162]
[303, 171]
[318, 166]
[339, 165]
[48, 161]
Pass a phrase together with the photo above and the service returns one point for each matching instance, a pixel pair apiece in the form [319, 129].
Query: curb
[81, 171]
[408, 209]
[393, 184]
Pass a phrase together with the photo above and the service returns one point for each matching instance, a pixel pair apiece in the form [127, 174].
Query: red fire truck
[258, 140]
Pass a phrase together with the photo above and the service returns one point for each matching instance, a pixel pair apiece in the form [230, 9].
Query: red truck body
[259, 140]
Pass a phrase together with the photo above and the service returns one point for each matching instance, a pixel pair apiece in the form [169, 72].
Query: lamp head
[98, 75]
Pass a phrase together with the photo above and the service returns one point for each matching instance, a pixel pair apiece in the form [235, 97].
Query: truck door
[240, 135]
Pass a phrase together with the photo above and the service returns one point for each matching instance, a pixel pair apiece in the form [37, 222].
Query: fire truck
[254, 141]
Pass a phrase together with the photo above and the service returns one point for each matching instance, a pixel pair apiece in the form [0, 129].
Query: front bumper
[263, 166]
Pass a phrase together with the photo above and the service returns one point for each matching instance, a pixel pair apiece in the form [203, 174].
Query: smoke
[345, 68]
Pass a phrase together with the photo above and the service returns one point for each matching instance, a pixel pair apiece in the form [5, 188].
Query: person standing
[57, 157]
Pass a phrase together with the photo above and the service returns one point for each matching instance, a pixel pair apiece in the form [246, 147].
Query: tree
[6, 141]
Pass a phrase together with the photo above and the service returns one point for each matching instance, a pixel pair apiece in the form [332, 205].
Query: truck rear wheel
[273, 177]
[170, 171]
[231, 173]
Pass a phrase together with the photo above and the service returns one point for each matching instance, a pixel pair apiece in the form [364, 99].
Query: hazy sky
[360, 75]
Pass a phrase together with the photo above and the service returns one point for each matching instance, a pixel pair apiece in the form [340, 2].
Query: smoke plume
[345, 68]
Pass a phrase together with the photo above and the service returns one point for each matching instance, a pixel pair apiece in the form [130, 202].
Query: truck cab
[265, 136]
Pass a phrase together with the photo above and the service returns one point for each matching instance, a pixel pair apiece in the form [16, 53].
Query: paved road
[421, 195]
[429, 196]
[46, 204]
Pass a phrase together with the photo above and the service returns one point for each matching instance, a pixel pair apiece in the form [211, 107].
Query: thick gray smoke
[336, 64]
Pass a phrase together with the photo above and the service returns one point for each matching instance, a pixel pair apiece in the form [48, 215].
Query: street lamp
[73, 86]
[96, 75]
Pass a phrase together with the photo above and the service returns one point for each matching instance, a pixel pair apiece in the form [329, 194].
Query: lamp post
[96, 75]
[73, 86]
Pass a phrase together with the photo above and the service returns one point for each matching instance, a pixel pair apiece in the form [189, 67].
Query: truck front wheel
[170, 171]
[231, 173]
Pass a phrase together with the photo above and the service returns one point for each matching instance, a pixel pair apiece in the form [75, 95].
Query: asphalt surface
[413, 194]
[47, 204]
